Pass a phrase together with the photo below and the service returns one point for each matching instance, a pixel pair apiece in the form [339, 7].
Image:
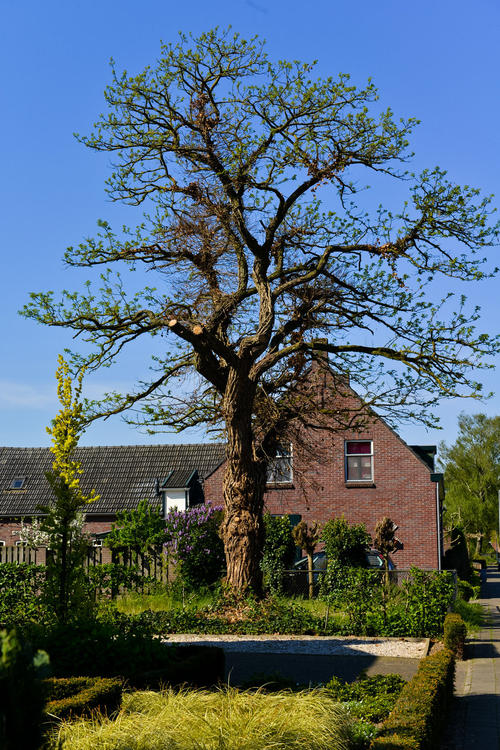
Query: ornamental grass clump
[222, 720]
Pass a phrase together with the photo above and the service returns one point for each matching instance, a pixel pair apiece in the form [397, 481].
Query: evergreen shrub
[278, 553]
[420, 711]
[72, 697]
[455, 633]
[20, 586]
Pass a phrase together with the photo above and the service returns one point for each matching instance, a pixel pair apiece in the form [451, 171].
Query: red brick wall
[402, 490]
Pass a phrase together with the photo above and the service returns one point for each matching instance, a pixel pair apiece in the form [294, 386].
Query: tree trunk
[242, 529]
[310, 575]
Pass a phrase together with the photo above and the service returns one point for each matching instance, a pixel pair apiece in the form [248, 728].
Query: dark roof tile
[121, 475]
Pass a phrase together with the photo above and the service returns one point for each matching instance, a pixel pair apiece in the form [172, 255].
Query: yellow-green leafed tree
[63, 520]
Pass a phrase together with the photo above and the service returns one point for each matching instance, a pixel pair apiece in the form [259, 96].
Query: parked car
[319, 562]
[375, 560]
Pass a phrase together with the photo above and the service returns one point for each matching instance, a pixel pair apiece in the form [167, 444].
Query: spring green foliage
[472, 475]
[279, 551]
[141, 530]
[345, 543]
[21, 693]
[20, 585]
[417, 609]
[65, 589]
[252, 175]
[221, 720]
[374, 696]
[345, 547]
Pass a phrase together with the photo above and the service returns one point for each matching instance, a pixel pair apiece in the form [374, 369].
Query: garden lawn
[220, 720]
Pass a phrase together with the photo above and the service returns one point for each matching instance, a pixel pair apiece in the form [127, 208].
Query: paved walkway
[475, 719]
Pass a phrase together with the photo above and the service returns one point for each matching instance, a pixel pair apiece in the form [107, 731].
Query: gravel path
[408, 648]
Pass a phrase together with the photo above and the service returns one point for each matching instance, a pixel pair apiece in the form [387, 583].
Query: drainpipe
[437, 478]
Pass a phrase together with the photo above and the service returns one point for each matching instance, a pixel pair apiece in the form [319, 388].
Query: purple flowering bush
[194, 544]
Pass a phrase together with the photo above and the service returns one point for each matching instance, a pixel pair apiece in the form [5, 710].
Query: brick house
[363, 475]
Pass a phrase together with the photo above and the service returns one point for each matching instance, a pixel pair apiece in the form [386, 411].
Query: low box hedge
[417, 719]
[455, 633]
[80, 696]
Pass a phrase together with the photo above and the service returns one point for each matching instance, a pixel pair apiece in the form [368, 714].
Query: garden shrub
[128, 647]
[278, 553]
[196, 666]
[345, 543]
[421, 709]
[375, 695]
[465, 590]
[20, 586]
[103, 648]
[455, 633]
[194, 544]
[428, 596]
[21, 693]
[81, 696]
[108, 579]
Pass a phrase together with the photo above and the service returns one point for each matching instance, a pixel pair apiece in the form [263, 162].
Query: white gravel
[408, 648]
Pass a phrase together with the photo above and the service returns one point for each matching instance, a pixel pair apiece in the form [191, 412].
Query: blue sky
[437, 61]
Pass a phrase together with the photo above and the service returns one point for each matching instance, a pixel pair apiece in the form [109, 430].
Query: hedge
[80, 696]
[197, 666]
[455, 633]
[416, 721]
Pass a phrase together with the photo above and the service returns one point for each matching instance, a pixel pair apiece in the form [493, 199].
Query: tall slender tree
[63, 519]
[230, 154]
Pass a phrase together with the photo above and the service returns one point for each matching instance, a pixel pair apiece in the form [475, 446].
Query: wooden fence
[20, 554]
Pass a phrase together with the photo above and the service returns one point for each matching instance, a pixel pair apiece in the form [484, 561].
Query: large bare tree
[249, 174]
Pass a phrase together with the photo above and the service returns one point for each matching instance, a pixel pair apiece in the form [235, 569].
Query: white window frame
[281, 455]
[3, 543]
[352, 455]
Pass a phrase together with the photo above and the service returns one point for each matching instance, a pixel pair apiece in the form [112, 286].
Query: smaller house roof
[122, 475]
[179, 479]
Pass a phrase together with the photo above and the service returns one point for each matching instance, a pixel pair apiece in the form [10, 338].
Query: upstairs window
[279, 470]
[359, 461]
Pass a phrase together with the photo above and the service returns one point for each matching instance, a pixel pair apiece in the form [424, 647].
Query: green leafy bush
[374, 696]
[279, 552]
[21, 693]
[345, 543]
[455, 633]
[80, 696]
[428, 596]
[421, 709]
[20, 586]
[108, 579]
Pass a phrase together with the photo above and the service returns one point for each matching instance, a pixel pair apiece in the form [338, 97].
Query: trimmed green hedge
[417, 718]
[455, 633]
[80, 696]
